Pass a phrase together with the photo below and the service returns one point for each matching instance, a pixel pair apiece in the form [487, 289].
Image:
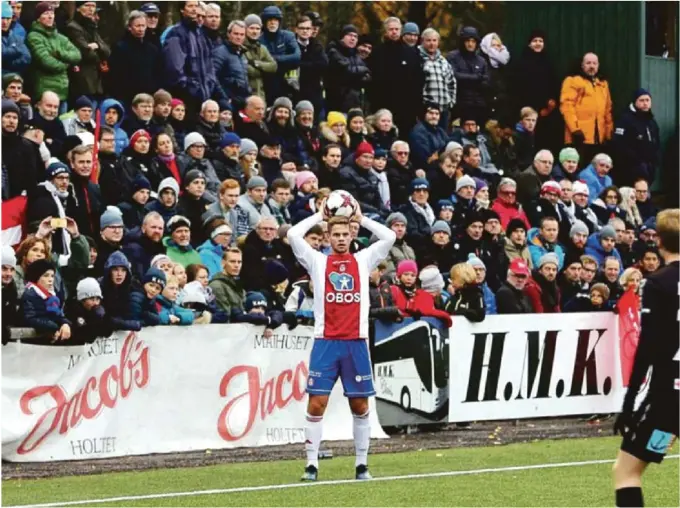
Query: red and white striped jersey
[341, 281]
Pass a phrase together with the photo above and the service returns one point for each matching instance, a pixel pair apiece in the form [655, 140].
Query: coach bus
[411, 368]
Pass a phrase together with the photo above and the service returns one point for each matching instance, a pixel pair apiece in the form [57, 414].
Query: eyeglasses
[402, 153]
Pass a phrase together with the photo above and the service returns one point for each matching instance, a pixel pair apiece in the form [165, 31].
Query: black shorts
[657, 423]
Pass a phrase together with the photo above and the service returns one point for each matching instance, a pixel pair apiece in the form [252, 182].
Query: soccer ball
[340, 203]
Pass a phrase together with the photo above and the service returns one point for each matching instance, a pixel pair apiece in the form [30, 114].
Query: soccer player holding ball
[649, 431]
[341, 305]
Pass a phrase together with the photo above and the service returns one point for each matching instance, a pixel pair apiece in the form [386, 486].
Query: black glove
[416, 314]
[290, 319]
[578, 138]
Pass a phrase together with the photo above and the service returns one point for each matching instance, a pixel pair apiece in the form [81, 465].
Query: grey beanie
[396, 217]
[88, 288]
[439, 227]
[304, 106]
[9, 258]
[550, 257]
[465, 181]
[282, 102]
[252, 19]
[608, 232]
[111, 217]
[431, 279]
[247, 145]
[578, 227]
[256, 181]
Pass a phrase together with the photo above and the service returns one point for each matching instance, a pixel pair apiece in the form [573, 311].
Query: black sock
[629, 496]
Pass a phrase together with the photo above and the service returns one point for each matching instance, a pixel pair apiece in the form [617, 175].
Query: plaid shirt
[440, 83]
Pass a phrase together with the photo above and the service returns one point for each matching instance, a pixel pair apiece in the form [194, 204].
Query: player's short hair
[229, 183]
[668, 229]
[337, 221]
[323, 192]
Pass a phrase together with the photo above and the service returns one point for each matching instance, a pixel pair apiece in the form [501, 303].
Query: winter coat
[87, 206]
[87, 325]
[543, 295]
[309, 146]
[247, 128]
[260, 63]
[139, 251]
[130, 165]
[132, 123]
[256, 253]
[512, 301]
[507, 212]
[346, 77]
[541, 208]
[10, 310]
[144, 310]
[489, 300]
[512, 251]
[418, 227]
[122, 139]
[498, 95]
[186, 163]
[231, 71]
[229, 293]
[400, 251]
[135, 67]
[313, 65]
[419, 304]
[282, 213]
[42, 310]
[586, 105]
[432, 254]
[88, 80]
[588, 217]
[472, 78]
[42, 204]
[363, 185]
[525, 145]
[596, 184]
[426, 140]
[382, 303]
[55, 135]
[117, 298]
[15, 55]
[400, 178]
[637, 146]
[213, 134]
[605, 213]
[467, 302]
[23, 164]
[168, 308]
[534, 81]
[594, 248]
[211, 256]
[529, 184]
[253, 211]
[487, 169]
[283, 47]
[538, 247]
[53, 55]
[185, 256]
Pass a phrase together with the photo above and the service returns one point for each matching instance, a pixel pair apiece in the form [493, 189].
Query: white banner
[162, 390]
[538, 365]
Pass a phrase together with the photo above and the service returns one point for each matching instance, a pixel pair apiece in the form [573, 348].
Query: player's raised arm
[296, 236]
[380, 249]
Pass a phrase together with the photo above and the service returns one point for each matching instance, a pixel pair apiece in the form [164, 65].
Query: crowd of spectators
[160, 173]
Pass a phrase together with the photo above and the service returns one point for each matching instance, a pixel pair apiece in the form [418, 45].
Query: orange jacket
[583, 105]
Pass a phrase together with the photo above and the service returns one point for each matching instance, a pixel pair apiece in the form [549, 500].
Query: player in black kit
[649, 431]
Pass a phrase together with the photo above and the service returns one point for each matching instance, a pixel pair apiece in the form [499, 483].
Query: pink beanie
[176, 102]
[303, 177]
[407, 265]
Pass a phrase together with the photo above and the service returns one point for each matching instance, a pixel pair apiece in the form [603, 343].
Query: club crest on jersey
[341, 281]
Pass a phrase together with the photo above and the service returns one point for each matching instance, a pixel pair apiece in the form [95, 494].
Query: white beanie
[88, 288]
[431, 279]
[465, 181]
[169, 183]
[193, 138]
[158, 258]
[580, 187]
[475, 262]
[194, 292]
[9, 258]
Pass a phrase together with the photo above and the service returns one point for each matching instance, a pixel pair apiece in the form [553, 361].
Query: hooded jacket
[117, 298]
[122, 139]
[637, 145]
[15, 55]
[143, 309]
[211, 256]
[283, 47]
[471, 72]
[538, 247]
[594, 248]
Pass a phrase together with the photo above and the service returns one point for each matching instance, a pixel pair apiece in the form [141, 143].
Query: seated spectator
[160, 121]
[506, 205]
[378, 170]
[143, 245]
[257, 312]
[576, 243]
[544, 240]
[281, 126]
[445, 208]
[194, 158]
[249, 122]
[302, 204]
[400, 173]
[482, 195]
[466, 203]
[10, 296]
[568, 166]
[411, 301]
[178, 244]
[438, 250]
[227, 208]
[260, 246]
[138, 118]
[624, 242]
[135, 161]
[443, 178]
[117, 285]
[629, 206]
[87, 314]
[596, 302]
[382, 131]
[226, 162]
[356, 129]
[46, 118]
[40, 307]
[334, 131]
[480, 271]
[253, 204]
[212, 250]
[569, 280]
[328, 175]
[589, 270]
[609, 276]
[502, 147]
[194, 300]
[582, 209]
[431, 280]
[134, 209]
[530, 180]
[469, 240]
[165, 204]
[112, 114]
[401, 250]
[650, 260]
[631, 279]
[143, 306]
[418, 212]
[13, 89]
[648, 236]
[357, 179]
[163, 263]
[602, 245]
[643, 199]
[308, 138]
[178, 121]
[510, 297]
[466, 296]
[515, 244]
[82, 120]
[596, 177]
[541, 288]
[382, 306]
[110, 238]
[606, 207]
[169, 312]
[524, 136]
[194, 202]
[469, 134]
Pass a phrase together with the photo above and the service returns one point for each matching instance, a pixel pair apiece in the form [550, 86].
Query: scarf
[425, 211]
[57, 196]
[496, 57]
[383, 187]
[52, 303]
[409, 292]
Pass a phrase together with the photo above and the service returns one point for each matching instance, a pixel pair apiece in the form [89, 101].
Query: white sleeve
[292, 302]
[380, 249]
[304, 253]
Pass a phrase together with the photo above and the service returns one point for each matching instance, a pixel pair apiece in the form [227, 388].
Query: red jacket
[508, 212]
[422, 302]
[535, 294]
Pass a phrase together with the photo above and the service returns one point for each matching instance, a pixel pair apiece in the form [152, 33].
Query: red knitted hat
[364, 148]
[141, 133]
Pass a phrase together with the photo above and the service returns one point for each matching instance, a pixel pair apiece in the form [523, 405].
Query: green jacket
[185, 256]
[53, 54]
[229, 292]
[88, 80]
[260, 61]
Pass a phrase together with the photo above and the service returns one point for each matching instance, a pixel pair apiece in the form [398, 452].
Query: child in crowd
[412, 301]
[87, 314]
[378, 169]
[380, 291]
[41, 309]
[169, 313]
[178, 113]
[166, 202]
[10, 297]
[446, 211]
[143, 303]
[117, 286]
[599, 294]
[193, 299]
[431, 281]
[134, 208]
[466, 296]
[301, 302]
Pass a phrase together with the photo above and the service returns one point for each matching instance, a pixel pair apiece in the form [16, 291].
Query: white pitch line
[261, 488]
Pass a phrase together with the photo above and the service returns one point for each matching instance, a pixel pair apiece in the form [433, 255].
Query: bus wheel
[406, 399]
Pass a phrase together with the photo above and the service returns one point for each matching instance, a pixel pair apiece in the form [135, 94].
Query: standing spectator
[586, 105]
[347, 73]
[260, 61]
[506, 205]
[643, 200]
[117, 285]
[211, 25]
[313, 64]
[13, 89]
[440, 83]
[226, 207]
[469, 134]
[357, 179]
[86, 79]
[88, 204]
[135, 160]
[401, 250]
[87, 314]
[153, 32]
[40, 307]
[568, 166]
[135, 61]
[530, 180]
[410, 34]
[110, 237]
[189, 72]
[231, 65]
[283, 48]
[609, 276]
[195, 159]
[497, 57]
[636, 143]
[542, 289]
[15, 55]
[22, 167]
[193, 203]
[472, 76]
[428, 138]
[543, 240]
[569, 281]
[596, 176]
[395, 59]
[53, 55]
[308, 139]
[510, 297]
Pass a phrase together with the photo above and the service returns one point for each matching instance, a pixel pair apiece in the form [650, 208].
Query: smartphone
[58, 223]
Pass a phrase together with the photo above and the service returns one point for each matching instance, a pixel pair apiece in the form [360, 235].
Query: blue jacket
[596, 184]
[637, 145]
[144, 310]
[168, 308]
[43, 314]
[122, 139]
[15, 54]
[189, 70]
[425, 140]
[489, 300]
[285, 50]
[231, 71]
[139, 251]
[18, 29]
[157, 206]
[537, 248]
[594, 248]
[117, 298]
[211, 256]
